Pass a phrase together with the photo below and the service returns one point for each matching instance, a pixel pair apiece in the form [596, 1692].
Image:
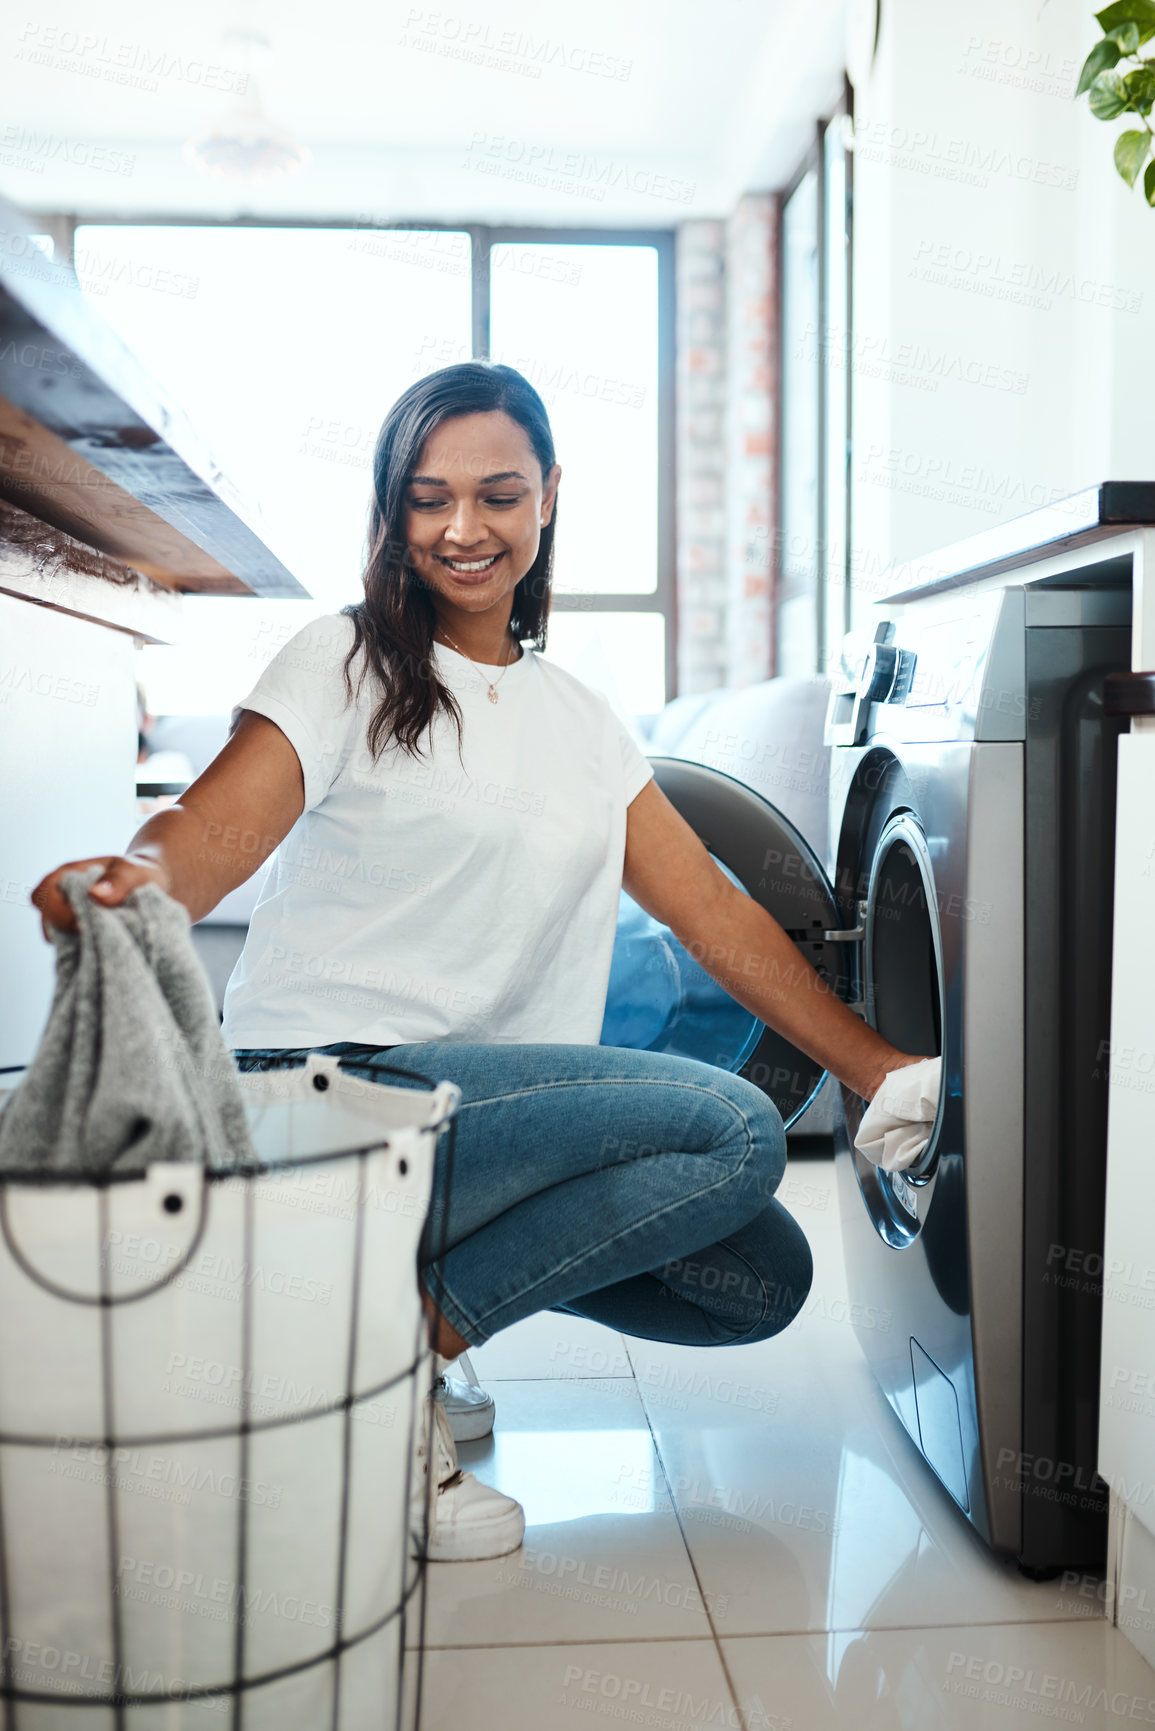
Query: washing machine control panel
[887, 674]
[878, 672]
[927, 672]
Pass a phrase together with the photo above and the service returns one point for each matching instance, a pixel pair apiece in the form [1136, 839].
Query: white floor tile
[602, 1559]
[662, 1683]
[805, 1504]
[551, 1344]
[988, 1678]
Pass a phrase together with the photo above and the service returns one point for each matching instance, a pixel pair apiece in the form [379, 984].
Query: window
[582, 321]
[813, 597]
[286, 346]
[797, 606]
[834, 591]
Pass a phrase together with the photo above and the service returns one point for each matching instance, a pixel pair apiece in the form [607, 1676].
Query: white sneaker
[467, 1521]
[469, 1409]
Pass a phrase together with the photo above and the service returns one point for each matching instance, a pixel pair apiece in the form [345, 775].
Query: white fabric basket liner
[208, 1392]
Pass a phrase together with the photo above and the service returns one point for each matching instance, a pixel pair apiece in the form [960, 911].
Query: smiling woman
[453, 818]
[465, 485]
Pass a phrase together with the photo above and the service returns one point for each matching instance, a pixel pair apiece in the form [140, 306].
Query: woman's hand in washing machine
[670, 873]
[886, 1067]
[121, 875]
[899, 1121]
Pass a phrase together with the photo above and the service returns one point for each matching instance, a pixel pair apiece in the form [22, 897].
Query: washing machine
[964, 908]
[972, 795]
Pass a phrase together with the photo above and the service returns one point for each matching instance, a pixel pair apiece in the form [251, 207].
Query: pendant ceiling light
[243, 144]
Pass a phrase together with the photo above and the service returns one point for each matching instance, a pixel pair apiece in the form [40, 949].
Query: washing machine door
[660, 1000]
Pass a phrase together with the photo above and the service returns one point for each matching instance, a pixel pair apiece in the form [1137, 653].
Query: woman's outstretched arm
[672, 875]
[223, 827]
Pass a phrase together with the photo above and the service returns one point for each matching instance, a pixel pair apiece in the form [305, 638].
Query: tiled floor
[744, 1538]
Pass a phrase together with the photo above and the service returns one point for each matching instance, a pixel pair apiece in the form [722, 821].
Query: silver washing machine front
[972, 806]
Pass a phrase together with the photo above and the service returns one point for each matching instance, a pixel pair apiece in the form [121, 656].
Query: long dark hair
[394, 624]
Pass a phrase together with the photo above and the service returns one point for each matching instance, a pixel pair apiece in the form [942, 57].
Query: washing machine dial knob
[886, 674]
[876, 681]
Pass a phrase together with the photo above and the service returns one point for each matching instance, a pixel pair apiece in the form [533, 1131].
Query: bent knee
[764, 1138]
[785, 1289]
[789, 1291]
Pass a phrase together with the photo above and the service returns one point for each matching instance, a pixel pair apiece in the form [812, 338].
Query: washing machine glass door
[903, 960]
[661, 1000]
[904, 999]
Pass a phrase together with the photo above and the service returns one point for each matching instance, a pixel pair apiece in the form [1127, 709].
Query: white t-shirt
[438, 898]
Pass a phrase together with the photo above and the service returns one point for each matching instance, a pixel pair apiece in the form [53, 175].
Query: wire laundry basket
[209, 1388]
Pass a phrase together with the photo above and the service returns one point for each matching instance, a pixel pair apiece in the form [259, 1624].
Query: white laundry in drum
[897, 1124]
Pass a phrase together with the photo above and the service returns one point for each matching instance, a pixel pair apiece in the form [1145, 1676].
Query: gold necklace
[492, 686]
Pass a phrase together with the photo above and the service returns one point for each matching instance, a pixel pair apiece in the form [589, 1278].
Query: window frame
[483, 237]
[814, 160]
[810, 163]
[661, 599]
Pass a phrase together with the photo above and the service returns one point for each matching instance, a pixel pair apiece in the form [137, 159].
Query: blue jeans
[630, 1187]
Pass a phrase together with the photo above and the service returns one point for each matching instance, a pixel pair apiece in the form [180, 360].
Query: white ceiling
[484, 113]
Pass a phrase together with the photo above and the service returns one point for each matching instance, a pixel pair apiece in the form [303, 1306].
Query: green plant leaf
[1138, 12]
[1109, 96]
[1149, 183]
[1140, 88]
[1102, 57]
[1127, 36]
[1131, 150]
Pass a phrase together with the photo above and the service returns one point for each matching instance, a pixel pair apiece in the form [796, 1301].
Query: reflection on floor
[744, 1538]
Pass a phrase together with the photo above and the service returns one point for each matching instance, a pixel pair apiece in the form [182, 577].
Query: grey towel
[131, 1067]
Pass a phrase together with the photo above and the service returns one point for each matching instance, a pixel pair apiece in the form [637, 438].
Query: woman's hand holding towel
[896, 1125]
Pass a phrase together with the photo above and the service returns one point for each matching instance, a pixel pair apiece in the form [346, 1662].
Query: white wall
[1004, 279]
[1127, 1399]
[1004, 283]
[67, 784]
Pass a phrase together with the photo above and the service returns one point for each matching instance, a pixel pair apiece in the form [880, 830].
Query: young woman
[454, 817]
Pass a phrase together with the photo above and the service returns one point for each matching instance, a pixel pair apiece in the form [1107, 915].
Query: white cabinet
[67, 783]
[1127, 1404]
